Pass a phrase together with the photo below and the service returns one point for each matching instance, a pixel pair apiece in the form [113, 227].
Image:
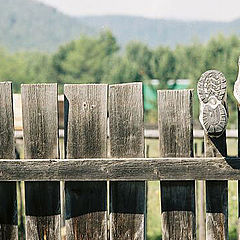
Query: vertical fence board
[176, 140]
[238, 227]
[213, 118]
[236, 93]
[127, 199]
[86, 137]
[40, 129]
[8, 200]
[216, 193]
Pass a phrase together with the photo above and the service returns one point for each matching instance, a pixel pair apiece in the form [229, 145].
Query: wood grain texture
[8, 200]
[176, 140]
[236, 93]
[216, 193]
[86, 137]
[213, 118]
[238, 110]
[40, 133]
[127, 199]
[139, 169]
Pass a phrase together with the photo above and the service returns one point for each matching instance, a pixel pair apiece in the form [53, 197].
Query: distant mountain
[28, 24]
[159, 31]
[31, 25]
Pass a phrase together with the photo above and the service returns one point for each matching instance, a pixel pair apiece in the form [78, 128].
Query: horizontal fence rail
[124, 169]
[104, 141]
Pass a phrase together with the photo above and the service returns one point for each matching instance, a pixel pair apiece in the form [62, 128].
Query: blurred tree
[98, 60]
[163, 65]
[121, 70]
[139, 54]
[84, 60]
[26, 67]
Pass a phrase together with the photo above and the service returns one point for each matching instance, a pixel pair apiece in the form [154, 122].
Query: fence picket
[40, 129]
[216, 193]
[176, 140]
[238, 227]
[8, 199]
[213, 118]
[127, 199]
[236, 93]
[86, 137]
[88, 167]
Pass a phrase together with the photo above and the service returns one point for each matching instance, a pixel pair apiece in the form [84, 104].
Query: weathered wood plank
[216, 194]
[139, 169]
[127, 199]
[176, 140]
[40, 132]
[8, 200]
[238, 109]
[236, 93]
[86, 137]
[213, 117]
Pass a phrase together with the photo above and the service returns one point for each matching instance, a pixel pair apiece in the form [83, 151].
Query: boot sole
[211, 90]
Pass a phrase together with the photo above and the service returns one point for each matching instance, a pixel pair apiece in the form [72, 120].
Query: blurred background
[163, 43]
[166, 44]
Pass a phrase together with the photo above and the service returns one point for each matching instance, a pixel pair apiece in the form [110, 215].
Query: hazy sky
[220, 10]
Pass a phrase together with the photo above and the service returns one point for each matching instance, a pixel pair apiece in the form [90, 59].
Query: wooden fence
[105, 180]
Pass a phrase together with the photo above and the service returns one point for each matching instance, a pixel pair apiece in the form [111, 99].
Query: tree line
[99, 59]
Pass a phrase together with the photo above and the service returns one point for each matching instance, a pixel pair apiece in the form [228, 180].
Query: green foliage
[163, 65]
[21, 68]
[121, 70]
[141, 55]
[84, 60]
[98, 60]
